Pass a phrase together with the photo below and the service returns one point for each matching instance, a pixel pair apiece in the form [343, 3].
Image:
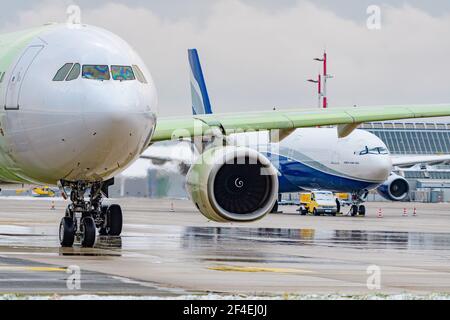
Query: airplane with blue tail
[318, 159]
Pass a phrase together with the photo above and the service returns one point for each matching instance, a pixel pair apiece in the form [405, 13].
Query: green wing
[173, 128]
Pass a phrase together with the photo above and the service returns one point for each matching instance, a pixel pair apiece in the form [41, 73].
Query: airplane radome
[79, 106]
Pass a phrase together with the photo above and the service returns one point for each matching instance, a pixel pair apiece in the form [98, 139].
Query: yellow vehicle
[43, 192]
[343, 196]
[317, 203]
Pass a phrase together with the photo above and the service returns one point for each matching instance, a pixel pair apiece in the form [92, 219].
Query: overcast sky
[257, 54]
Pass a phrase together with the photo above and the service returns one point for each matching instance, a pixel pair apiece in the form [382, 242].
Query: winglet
[200, 97]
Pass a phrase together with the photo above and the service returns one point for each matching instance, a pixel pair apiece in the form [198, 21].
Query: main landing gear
[83, 217]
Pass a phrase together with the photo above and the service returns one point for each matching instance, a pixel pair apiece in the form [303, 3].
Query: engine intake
[396, 188]
[233, 184]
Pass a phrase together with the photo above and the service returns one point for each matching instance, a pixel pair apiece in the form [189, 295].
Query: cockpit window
[96, 72]
[62, 73]
[74, 73]
[2, 75]
[122, 73]
[378, 150]
[71, 71]
[139, 75]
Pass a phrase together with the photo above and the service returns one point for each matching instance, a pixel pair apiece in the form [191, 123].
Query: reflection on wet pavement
[356, 239]
[331, 256]
[218, 237]
[281, 253]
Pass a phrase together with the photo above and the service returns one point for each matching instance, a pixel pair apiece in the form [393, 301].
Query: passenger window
[96, 72]
[139, 75]
[122, 73]
[62, 73]
[74, 73]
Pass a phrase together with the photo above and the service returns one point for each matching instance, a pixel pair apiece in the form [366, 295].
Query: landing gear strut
[84, 217]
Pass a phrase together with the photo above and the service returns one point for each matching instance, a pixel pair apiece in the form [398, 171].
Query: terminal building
[429, 183]
[412, 138]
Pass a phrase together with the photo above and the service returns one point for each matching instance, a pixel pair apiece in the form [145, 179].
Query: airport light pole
[319, 87]
[325, 76]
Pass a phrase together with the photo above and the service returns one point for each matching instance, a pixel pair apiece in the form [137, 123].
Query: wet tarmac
[22, 277]
[163, 253]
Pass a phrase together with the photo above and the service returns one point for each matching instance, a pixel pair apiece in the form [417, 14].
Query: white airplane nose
[93, 146]
[113, 141]
[380, 168]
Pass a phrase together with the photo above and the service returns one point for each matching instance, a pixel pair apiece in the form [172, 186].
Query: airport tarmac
[173, 254]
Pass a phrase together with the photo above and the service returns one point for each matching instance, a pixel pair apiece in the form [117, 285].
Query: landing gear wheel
[114, 220]
[338, 206]
[66, 232]
[88, 232]
[315, 212]
[84, 216]
[362, 210]
[354, 210]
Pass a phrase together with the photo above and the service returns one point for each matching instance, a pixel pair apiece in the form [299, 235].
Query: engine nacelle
[396, 188]
[233, 184]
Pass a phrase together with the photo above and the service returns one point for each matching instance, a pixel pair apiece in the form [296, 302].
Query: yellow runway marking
[38, 269]
[257, 269]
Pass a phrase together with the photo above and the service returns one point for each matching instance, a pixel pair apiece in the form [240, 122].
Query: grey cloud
[257, 55]
[199, 9]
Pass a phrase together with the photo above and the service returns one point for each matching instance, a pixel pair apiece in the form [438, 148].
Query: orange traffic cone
[415, 212]
[171, 207]
[405, 213]
[380, 213]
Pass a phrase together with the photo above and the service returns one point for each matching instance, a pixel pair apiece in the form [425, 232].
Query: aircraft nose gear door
[18, 76]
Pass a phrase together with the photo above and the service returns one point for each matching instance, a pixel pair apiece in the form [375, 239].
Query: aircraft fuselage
[87, 128]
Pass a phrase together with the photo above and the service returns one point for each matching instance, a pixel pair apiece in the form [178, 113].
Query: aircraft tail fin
[200, 98]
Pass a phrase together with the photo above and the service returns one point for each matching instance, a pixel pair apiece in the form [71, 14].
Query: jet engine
[233, 184]
[396, 188]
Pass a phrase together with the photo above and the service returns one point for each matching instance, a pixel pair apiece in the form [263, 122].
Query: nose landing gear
[83, 217]
[358, 198]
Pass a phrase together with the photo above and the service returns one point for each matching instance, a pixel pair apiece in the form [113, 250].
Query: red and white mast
[319, 88]
[325, 76]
